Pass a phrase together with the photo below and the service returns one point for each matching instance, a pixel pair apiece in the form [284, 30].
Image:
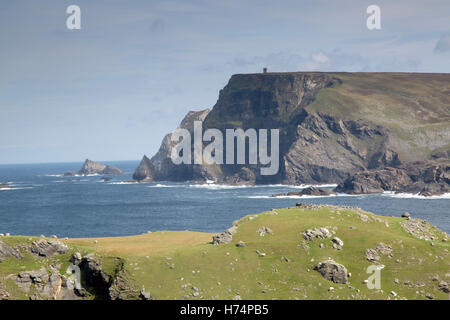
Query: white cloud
[320, 57]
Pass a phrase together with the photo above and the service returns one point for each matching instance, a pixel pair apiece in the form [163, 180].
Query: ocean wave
[123, 182]
[13, 188]
[414, 196]
[304, 186]
[212, 186]
[304, 196]
[71, 176]
[162, 186]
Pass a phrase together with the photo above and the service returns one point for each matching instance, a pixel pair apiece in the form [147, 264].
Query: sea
[41, 201]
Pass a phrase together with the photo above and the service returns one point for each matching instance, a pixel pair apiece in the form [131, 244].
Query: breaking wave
[414, 196]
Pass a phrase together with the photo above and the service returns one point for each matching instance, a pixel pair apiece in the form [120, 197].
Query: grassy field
[171, 264]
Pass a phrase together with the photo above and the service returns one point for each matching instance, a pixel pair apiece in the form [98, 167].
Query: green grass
[414, 107]
[169, 264]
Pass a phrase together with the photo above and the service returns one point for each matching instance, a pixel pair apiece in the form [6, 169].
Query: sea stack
[146, 171]
[91, 167]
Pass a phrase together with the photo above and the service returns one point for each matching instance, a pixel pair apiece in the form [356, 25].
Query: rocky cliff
[331, 125]
[425, 178]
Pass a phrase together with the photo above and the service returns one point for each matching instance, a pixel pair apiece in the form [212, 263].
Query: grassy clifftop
[275, 261]
[415, 108]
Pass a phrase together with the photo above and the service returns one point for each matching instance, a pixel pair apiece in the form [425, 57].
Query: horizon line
[60, 162]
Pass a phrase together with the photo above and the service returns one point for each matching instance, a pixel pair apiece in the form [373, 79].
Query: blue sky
[113, 89]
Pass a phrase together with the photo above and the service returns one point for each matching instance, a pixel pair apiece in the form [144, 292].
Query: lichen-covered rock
[317, 233]
[332, 271]
[372, 255]
[224, 237]
[420, 229]
[7, 251]
[444, 286]
[263, 230]
[46, 248]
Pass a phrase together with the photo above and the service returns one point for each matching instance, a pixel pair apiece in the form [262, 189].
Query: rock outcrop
[46, 248]
[91, 167]
[224, 237]
[310, 191]
[7, 251]
[425, 178]
[317, 233]
[332, 271]
[107, 286]
[331, 126]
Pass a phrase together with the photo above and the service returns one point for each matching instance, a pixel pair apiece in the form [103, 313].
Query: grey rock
[406, 215]
[224, 237]
[310, 191]
[332, 271]
[46, 248]
[338, 241]
[372, 255]
[317, 233]
[444, 286]
[240, 244]
[145, 295]
[263, 230]
[7, 251]
[76, 258]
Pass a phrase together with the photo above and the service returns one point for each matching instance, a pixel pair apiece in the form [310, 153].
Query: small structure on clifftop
[264, 70]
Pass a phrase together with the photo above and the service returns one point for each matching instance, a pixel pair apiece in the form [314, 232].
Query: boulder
[317, 233]
[444, 286]
[332, 271]
[145, 295]
[224, 237]
[406, 215]
[240, 244]
[337, 241]
[372, 255]
[263, 230]
[76, 258]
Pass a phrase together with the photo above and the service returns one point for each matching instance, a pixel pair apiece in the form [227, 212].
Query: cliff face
[331, 125]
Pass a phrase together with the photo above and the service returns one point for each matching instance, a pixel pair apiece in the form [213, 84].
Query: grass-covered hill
[269, 256]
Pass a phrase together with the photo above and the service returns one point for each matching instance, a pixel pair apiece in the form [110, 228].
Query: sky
[114, 88]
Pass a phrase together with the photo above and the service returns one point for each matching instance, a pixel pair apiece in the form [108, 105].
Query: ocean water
[41, 201]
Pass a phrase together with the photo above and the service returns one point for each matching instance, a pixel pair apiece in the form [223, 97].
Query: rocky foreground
[304, 252]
